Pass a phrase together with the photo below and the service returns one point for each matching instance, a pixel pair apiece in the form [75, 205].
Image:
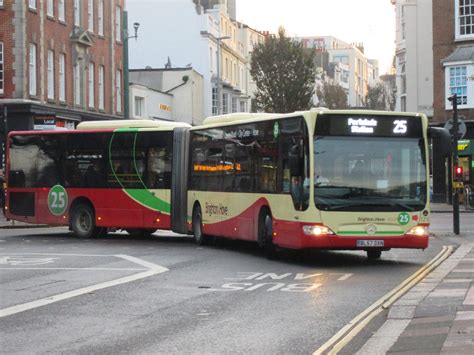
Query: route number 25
[59, 199]
[400, 126]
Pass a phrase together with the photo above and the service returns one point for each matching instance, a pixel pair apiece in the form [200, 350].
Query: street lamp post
[126, 37]
[219, 84]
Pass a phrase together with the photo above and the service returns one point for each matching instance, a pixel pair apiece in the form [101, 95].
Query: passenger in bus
[92, 176]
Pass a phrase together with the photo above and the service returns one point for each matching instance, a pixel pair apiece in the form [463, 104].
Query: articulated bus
[107, 174]
[321, 179]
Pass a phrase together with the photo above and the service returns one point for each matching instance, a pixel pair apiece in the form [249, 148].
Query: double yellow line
[350, 330]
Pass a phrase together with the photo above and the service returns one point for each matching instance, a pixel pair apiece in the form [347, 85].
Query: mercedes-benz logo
[371, 229]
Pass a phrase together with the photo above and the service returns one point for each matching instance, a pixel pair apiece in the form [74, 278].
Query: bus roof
[243, 116]
[234, 117]
[132, 123]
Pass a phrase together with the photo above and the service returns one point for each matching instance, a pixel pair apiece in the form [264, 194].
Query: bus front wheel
[83, 222]
[199, 236]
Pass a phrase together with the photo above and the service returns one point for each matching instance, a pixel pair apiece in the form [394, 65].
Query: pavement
[436, 316]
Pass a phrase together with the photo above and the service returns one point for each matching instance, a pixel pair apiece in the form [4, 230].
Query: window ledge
[50, 17]
[464, 38]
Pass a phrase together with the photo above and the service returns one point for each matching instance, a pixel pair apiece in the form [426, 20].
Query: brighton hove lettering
[216, 210]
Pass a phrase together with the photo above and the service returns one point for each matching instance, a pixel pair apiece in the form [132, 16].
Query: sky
[369, 21]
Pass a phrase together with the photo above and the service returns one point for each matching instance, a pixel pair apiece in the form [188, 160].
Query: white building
[182, 33]
[350, 56]
[414, 55]
[173, 94]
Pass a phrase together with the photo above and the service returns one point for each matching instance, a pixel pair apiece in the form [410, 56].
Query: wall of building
[414, 40]
[443, 45]
[155, 104]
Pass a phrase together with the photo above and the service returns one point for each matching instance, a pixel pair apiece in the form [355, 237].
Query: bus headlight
[317, 230]
[419, 231]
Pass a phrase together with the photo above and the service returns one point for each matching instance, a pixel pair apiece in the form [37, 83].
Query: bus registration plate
[370, 243]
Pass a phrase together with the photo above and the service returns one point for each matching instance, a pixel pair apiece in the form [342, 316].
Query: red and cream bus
[317, 179]
[107, 174]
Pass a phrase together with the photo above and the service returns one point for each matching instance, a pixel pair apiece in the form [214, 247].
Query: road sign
[462, 129]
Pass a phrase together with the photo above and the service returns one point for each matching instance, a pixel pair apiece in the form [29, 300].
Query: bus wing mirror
[295, 161]
[442, 139]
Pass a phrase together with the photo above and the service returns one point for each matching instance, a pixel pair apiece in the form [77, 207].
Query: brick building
[453, 72]
[60, 62]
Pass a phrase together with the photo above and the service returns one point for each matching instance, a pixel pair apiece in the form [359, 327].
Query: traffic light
[458, 173]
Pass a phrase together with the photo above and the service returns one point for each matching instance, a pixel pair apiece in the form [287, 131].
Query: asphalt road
[164, 294]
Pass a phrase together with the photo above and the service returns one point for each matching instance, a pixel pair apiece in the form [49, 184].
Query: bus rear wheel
[199, 236]
[265, 235]
[374, 254]
[83, 222]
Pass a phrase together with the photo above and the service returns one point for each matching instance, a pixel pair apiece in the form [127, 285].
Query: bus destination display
[365, 125]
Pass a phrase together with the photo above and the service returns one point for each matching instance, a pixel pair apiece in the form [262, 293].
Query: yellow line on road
[350, 330]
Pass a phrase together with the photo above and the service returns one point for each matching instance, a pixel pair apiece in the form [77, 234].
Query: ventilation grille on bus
[22, 203]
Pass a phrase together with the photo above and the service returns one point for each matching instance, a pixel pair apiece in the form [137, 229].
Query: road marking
[19, 260]
[154, 270]
[70, 268]
[345, 277]
[350, 330]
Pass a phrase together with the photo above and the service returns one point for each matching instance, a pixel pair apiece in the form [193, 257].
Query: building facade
[206, 39]
[60, 63]
[173, 94]
[351, 56]
[414, 55]
[453, 73]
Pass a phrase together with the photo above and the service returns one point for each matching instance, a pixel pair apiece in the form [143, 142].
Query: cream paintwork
[281, 205]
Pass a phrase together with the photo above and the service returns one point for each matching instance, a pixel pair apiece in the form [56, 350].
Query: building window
[100, 17]
[214, 102]
[91, 85]
[50, 74]
[32, 4]
[464, 19]
[243, 106]
[77, 13]
[90, 15]
[139, 106]
[32, 66]
[50, 8]
[225, 103]
[118, 24]
[234, 104]
[2, 80]
[101, 87]
[1, 3]
[77, 85]
[118, 91]
[61, 11]
[457, 83]
[62, 77]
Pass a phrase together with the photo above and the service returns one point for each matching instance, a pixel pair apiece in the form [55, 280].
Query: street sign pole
[454, 101]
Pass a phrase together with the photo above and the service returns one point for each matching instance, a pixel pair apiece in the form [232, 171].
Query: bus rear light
[317, 230]
[157, 220]
[99, 218]
[419, 231]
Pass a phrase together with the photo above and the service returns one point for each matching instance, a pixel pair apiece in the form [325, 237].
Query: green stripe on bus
[146, 198]
[121, 130]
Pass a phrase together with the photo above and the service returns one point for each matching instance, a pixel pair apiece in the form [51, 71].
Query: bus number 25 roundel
[57, 200]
